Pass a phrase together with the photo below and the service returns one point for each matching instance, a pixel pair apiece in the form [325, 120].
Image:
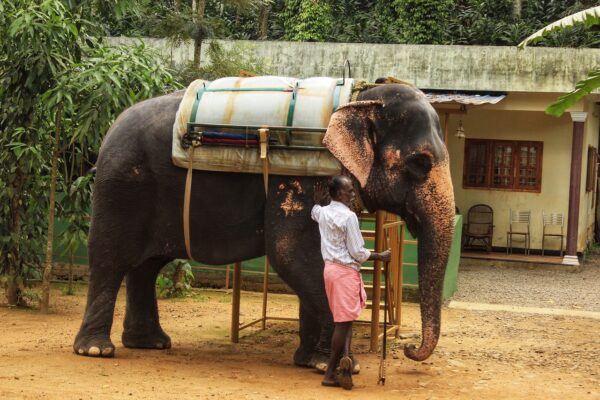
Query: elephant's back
[149, 117]
[140, 136]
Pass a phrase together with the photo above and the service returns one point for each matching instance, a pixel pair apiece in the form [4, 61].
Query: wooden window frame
[491, 146]
[592, 161]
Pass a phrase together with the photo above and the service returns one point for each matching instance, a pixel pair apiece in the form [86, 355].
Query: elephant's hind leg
[93, 338]
[142, 327]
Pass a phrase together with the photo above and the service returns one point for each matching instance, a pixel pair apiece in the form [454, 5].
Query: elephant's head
[390, 140]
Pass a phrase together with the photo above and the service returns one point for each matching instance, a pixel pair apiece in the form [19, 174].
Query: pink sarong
[345, 292]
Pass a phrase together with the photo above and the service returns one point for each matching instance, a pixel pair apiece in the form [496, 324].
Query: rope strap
[186, 203]
[264, 148]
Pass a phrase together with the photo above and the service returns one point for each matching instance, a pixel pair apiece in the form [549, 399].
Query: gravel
[536, 286]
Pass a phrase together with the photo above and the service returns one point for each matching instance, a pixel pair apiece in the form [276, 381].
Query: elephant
[390, 142]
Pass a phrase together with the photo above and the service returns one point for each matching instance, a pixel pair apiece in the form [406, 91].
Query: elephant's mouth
[412, 221]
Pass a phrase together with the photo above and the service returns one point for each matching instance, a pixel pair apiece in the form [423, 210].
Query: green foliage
[94, 91]
[481, 22]
[423, 21]
[175, 280]
[225, 62]
[38, 40]
[581, 20]
[51, 65]
[68, 290]
[365, 21]
[30, 298]
[306, 20]
[569, 31]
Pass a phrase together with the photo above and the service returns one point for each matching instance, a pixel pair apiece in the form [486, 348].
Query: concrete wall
[427, 66]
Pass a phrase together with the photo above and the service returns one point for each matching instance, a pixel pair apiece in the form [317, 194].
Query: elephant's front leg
[141, 326]
[294, 249]
[315, 337]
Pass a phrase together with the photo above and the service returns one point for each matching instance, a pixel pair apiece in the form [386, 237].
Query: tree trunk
[177, 5]
[70, 287]
[198, 8]
[517, 7]
[12, 287]
[178, 279]
[263, 21]
[45, 301]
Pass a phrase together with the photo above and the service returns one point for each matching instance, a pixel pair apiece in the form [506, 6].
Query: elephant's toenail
[80, 351]
[94, 351]
[160, 346]
[107, 352]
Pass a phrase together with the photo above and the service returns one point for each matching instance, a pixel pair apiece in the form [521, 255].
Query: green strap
[199, 94]
[290, 117]
[336, 94]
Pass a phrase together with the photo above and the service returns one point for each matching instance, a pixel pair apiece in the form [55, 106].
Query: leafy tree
[586, 18]
[306, 20]
[197, 21]
[56, 79]
[423, 21]
[224, 62]
[175, 280]
[480, 22]
[366, 21]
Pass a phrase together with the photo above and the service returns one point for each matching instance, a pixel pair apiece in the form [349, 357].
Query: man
[343, 251]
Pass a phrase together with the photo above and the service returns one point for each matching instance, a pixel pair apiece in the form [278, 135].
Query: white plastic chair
[518, 226]
[553, 228]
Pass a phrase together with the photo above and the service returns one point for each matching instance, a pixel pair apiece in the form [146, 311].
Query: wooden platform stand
[388, 233]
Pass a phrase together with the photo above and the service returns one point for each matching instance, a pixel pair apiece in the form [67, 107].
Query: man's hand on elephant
[321, 194]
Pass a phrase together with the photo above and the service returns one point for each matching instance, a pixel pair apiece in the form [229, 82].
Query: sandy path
[481, 355]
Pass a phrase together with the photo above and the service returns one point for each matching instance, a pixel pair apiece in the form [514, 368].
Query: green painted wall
[410, 275]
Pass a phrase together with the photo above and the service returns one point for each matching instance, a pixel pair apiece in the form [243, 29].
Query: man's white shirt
[341, 239]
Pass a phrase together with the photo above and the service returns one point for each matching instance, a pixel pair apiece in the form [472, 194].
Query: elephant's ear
[349, 139]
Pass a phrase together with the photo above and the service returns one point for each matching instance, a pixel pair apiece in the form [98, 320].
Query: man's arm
[356, 244]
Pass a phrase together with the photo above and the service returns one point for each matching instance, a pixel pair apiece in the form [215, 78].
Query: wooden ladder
[385, 231]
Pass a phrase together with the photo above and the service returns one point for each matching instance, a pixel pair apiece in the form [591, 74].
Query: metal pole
[235, 303]
[384, 344]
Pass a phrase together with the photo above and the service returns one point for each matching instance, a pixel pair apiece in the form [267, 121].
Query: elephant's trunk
[435, 210]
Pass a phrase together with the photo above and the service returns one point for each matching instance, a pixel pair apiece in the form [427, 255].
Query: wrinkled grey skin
[138, 202]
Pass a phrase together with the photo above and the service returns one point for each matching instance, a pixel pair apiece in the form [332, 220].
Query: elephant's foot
[94, 346]
[309, 358]
[146, 340]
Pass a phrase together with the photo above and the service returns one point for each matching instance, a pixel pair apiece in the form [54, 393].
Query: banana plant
[588, 17]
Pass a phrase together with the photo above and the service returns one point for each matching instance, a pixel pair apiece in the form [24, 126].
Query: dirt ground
[481, 355]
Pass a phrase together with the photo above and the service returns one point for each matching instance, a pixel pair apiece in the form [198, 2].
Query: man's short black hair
[335, 184]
